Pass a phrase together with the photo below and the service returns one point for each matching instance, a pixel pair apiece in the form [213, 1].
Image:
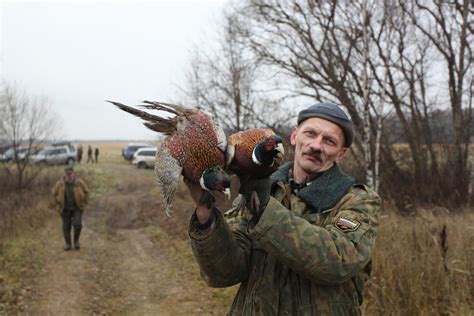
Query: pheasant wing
[168, 171]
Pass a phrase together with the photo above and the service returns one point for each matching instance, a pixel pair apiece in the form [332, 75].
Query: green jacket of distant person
[81, 194]
[295, 261]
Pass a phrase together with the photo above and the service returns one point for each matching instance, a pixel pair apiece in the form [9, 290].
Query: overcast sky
[82, 53]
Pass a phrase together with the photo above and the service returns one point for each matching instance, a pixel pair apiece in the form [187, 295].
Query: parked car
[4, 146]
[61, 143]
[144, 157]
[25, 153]
[56, 155]
[131, 148]
[22, 153]
[9, 154]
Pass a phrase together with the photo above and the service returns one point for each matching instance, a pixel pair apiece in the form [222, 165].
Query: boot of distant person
[77, 233]
[77, 224]
[67, 240]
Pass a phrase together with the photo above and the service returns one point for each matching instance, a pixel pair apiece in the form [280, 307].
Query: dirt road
[133, 259]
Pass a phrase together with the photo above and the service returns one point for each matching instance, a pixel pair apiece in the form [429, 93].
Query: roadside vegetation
[22, 214]
[422, 264]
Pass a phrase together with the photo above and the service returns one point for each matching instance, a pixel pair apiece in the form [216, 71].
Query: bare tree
[368, 139]
[391, 61]
[328, 51]
[385, 58]
[406, 85]
[226, 83]
[379, 111]
[26, 122]
[448, 25]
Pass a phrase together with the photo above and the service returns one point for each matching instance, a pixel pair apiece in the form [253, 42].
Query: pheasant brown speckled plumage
[195, 144]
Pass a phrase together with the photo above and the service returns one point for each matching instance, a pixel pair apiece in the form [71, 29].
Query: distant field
[109, 152]
[112, 152]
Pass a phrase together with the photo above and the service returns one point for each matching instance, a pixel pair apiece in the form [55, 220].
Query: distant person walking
[96, 154]
[79, 153]
[89, 155]
[70, 197]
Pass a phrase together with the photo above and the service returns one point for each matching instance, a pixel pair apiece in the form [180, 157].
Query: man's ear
[294, 131]
[341, 154]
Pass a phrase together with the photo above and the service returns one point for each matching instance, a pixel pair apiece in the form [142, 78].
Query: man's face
[69, 176]
[318, 144]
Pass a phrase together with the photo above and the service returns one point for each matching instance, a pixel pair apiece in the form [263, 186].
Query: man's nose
[316, 144]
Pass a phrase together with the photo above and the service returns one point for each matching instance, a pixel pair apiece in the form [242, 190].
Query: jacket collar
[66, 182]
[322, 193]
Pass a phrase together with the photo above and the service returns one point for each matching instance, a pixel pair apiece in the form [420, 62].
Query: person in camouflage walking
[309, 250]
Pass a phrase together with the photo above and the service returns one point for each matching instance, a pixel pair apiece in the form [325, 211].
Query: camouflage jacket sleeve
[326, 255]
[223, 253]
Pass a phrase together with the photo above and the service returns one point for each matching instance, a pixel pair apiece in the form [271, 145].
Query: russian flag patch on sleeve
[347, 224]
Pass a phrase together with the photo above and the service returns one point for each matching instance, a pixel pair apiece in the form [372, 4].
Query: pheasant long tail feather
[141, 114]
[167, 107]
[156, 123]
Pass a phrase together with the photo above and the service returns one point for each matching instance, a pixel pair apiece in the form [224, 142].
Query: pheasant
[253, 154]
[194, 147]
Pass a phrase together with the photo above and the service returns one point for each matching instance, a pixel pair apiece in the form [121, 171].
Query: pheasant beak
[227, 193]
[280, 148]
[278, 159]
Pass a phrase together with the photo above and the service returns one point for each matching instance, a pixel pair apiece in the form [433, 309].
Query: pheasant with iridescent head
[194, 147]
[253, 154]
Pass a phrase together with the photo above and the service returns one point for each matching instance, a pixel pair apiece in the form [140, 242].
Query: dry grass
[423, 265]
[28, 208]
[21, 215]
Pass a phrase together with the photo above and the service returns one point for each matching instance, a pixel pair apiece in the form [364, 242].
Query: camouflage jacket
[302, 258]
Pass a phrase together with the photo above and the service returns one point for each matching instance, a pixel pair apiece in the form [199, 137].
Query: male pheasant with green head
[253, 154]
[257, 152]
[194, 147]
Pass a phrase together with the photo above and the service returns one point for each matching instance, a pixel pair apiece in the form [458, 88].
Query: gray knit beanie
[333, 113]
